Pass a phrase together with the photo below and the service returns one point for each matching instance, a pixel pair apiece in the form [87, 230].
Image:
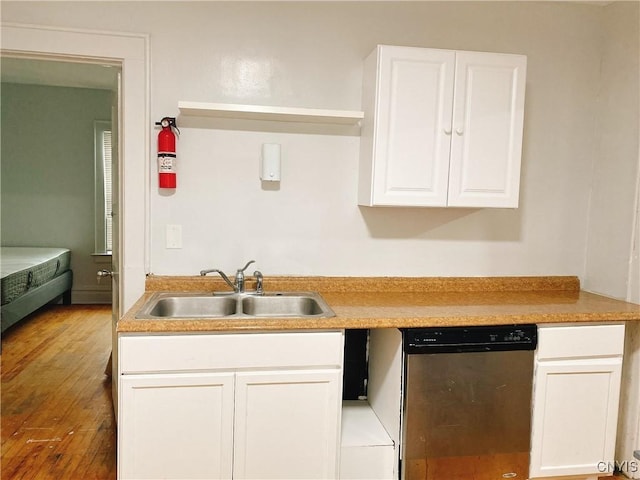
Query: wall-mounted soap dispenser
[270, 162]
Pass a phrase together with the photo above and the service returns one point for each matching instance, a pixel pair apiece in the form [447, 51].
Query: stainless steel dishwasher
[467, 402]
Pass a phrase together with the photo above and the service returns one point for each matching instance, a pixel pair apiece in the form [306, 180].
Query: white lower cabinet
[575, 400]
[268, 405]
[286, 424]
[176, 426]
[276, 415]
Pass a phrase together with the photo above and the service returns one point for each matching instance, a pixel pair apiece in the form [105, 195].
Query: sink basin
[191, 306]
[235, 305]
[284, 305]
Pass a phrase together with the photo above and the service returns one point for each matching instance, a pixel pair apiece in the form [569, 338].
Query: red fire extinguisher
[167, 153]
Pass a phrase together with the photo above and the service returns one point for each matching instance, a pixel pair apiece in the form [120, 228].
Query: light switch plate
[174, 236]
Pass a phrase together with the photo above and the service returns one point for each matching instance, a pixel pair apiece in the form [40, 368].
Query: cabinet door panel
[176, 426]
[575, 416]
[287, 424]
[487, 130]
[413, 112]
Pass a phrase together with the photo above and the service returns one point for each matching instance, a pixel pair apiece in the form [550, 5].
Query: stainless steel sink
[284, 305]
[235, 305]
[191, 306]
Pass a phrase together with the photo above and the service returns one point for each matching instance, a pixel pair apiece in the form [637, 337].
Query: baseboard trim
[90, 296]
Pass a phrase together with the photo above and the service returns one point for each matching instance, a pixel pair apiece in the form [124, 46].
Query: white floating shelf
[279, 114]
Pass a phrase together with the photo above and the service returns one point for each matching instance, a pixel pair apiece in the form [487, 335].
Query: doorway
[57, 118]
[131, 52]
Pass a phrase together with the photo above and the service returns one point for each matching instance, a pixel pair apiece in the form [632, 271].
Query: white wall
[613, 195]
[48, 181]
[613, 211]
[310, 54]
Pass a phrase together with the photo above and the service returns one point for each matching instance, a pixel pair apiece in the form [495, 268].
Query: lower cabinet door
[574, 416]
[176, 426]
[287, 424]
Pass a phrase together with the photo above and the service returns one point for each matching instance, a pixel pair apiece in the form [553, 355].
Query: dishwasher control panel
[485, 338]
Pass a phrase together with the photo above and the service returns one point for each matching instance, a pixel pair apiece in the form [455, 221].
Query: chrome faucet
[238, 284]
[240, 277]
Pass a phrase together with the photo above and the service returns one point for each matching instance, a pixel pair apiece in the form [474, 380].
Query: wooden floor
[57, 416]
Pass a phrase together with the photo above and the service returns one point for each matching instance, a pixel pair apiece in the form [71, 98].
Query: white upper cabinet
[441, 128]
[486, 142]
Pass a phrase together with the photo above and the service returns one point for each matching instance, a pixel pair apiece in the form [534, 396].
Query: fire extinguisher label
[166, 162]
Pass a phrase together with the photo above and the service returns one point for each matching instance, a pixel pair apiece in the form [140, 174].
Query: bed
[31, 278]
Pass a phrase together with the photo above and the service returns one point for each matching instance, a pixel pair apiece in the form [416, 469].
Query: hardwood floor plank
[57, 416]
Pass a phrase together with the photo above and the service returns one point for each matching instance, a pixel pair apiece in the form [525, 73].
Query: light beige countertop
[392, 302]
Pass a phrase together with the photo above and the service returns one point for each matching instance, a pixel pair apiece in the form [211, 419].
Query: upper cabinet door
[441, 128]
[408, 101]
[488, 118]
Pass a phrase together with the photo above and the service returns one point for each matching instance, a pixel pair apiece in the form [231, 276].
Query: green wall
[47, 168]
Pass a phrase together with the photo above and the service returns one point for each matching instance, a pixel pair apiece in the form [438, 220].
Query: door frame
[132, 52]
